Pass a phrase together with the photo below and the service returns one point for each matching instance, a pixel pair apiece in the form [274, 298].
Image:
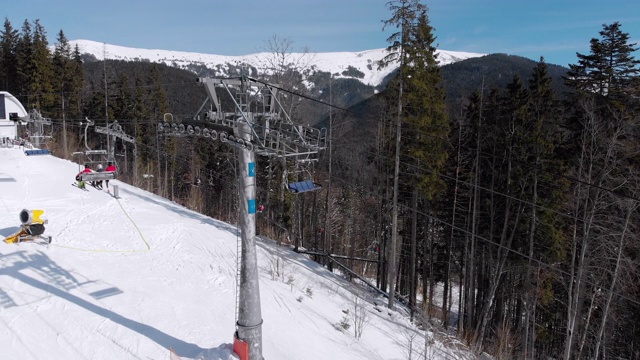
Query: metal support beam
[38, 122]
[249, 311]
[113, 131]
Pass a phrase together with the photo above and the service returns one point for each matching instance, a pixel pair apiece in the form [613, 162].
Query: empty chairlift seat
[304, 186]
[37, 152]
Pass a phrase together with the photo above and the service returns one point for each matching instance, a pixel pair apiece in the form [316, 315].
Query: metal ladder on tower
[238, 267]
[238, 254]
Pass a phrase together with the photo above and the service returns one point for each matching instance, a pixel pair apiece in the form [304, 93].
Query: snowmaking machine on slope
[31, 229]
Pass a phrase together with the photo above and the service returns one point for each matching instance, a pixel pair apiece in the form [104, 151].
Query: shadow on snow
[62, 282]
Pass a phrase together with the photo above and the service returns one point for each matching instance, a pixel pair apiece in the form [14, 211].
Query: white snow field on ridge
[134, 277]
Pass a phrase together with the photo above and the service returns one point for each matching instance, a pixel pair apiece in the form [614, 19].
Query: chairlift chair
[305, 185]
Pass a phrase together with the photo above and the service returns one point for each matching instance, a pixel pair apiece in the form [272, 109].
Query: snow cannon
[31, 229]
[30, 217]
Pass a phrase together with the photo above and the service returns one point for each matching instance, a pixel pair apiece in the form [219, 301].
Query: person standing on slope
[110, 168]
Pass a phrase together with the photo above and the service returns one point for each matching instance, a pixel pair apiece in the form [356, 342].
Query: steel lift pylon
[258, 125]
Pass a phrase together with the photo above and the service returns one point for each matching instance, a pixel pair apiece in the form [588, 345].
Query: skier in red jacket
[86, 170]
[110, 168]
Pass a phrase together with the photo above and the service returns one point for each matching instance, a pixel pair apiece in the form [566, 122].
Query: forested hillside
[497, 197]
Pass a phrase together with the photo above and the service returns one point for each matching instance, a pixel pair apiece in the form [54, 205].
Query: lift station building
[11, 110]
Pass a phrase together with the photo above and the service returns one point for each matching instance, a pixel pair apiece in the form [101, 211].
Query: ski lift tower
[38, 122]
[258, 125]
[115, 131]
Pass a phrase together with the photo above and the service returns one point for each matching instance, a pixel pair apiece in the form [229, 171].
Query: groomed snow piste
[131, 278]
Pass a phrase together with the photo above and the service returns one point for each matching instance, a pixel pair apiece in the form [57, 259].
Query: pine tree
[8, 58]
[41, 71]
[546, 192]
[502, 174]
[426, 143]
[426, 119]
[62, 75]
[421, 154]
[62, 72]
[159, 104]
[76, 85]
[24, 53]
[123, 106]
[404, 17]
[604, 131]
[610, 67]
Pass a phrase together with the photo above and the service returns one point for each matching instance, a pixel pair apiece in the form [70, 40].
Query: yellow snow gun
[32, 227]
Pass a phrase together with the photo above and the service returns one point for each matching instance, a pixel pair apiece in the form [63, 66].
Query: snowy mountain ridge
[362, 65]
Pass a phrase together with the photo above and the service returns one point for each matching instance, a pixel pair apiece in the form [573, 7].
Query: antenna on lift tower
[269, 132]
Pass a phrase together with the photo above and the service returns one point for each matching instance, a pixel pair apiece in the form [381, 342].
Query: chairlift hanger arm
[89, 123]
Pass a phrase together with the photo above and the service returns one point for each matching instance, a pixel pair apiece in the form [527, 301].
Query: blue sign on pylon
[252, 169]
[252, 206]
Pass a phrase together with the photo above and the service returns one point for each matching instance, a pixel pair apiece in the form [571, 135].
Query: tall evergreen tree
[41, 71]
[24, 53]
[404, 17]
[426, 146]
[502, 174]
[604, 127]
[123, 104]
[62, 74]
[426, 120]
[610, 67]
[62, 71]
[159, 103]
[8, 58]
[546, 192]
[76, 85]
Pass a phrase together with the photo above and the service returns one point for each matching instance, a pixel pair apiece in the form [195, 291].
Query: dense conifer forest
[496, 197]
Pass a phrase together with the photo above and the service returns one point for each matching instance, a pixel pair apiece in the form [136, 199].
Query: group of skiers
[95, 184]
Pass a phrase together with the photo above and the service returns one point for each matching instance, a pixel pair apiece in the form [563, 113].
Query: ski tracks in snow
[77, 216]
[40, 327]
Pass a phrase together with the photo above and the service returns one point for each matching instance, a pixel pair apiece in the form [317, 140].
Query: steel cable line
[185, 158]
[582, 182]
[445, 176]
[512, 197]
[521, 254]
[154, 148]
[617, 193]
[466, 183]
[531, 166]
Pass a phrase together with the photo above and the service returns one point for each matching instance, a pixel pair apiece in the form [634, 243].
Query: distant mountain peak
[361, 65]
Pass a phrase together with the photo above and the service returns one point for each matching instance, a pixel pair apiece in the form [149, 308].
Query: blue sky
[555, 29]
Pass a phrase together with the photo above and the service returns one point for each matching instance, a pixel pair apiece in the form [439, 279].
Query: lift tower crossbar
[114, 130]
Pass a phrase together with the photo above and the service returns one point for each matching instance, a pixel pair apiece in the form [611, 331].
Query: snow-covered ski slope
[134, 277]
